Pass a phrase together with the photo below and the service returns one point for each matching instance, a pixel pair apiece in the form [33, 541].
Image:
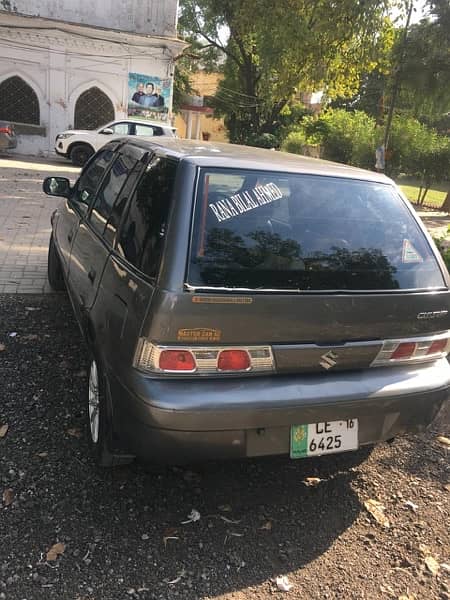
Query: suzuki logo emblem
[329, 360]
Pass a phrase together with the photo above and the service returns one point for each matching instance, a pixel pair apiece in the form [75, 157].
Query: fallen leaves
[432, 565]
[312, 481]
[444, 441]
[74, 432]
[192, 517]
[376, 509]
[181, 574]
[411, 505]
[8, 497]
[2, 347]
[170, 534]
[229, 521]
[283, 584]
[267, 526]
[447, 487]
[4, 430]
[55, 551]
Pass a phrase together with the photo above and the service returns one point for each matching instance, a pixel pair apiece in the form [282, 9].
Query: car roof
[143, 122]
[220, 154]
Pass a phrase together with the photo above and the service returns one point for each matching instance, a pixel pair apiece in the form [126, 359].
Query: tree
[274, 49]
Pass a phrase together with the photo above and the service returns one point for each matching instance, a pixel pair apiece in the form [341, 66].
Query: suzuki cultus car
[240, 302]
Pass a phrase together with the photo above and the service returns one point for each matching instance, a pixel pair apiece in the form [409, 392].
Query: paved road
[25, 222]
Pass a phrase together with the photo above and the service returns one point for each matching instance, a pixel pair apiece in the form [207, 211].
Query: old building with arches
[67, 64]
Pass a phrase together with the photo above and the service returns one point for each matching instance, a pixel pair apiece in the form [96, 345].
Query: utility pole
[396, 86]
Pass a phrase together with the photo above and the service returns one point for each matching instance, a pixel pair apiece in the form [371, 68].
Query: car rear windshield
[263, 230]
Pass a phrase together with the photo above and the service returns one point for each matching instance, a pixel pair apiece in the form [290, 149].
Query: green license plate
[327, 437]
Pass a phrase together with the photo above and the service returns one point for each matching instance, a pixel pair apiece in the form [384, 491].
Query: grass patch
[435, 196]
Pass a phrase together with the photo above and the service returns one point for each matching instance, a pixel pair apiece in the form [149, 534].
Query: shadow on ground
[258, 519]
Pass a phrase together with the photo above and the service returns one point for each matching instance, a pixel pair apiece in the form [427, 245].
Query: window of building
[143, 232]
[93, 109]
[18, 102]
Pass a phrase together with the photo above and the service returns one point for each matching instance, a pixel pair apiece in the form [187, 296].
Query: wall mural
[148, 97]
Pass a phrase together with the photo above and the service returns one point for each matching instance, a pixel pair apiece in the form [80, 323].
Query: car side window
[90, 179]
[148, 130]
[110, 191]
[120, 128]
[142, 234]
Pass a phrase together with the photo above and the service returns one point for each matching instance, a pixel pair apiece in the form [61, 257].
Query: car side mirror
[107, 131]
[57, 186]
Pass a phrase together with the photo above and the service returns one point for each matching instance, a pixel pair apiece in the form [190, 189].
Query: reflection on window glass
[143, 231]
[91, 177]
[148, 130]
[120, 128]
[287, 231]
[109, 190]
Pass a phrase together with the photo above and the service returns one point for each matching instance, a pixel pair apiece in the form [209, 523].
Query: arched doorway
[93, 109]
[18, 102]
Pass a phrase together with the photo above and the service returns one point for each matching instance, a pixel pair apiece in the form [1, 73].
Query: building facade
[69, 64]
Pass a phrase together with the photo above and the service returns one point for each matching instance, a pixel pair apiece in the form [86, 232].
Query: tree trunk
[446, 205]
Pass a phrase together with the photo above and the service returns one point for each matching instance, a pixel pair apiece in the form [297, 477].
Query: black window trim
[115, 253]
[121, 149]
[191, 288]
[75, 204]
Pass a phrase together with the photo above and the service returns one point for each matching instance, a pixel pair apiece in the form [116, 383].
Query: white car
[78, 145]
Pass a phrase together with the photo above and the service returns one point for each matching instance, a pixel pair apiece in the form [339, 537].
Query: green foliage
[295, 142]
[419, 151]
[425, 72]
[263, 140]
[275, 49]
[347, 137]
[444, 249]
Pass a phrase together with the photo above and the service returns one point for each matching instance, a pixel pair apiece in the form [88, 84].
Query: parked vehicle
[241, 302]
[8, 138]
[78, 145]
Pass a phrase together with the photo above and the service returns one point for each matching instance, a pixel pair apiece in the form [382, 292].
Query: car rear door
[92, 243]
[130, 276]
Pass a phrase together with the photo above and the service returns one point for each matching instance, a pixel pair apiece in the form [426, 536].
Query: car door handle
[70, 236]
[92, 275]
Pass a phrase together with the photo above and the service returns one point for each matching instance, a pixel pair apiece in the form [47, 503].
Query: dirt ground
[71, 531]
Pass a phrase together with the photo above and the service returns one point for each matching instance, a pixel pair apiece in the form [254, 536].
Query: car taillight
[5, 130]
[203, 360]
[404, 350]
[233, 360]
[415, 350]
[177, 360]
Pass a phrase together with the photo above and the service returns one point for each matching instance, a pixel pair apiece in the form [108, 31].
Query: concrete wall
[155, 17]
[58, 76]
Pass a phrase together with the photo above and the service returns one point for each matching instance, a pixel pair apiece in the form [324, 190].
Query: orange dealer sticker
[200, 334]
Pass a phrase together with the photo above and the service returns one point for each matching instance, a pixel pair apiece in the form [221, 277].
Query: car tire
[80, 154]
[99, 425]
[54, 268]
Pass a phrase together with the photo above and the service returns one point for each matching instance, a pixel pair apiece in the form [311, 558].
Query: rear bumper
[180, 421]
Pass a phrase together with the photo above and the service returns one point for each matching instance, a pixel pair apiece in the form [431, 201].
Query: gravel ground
[119, 534]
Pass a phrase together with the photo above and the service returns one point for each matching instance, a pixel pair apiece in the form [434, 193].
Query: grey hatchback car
[240, 302]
